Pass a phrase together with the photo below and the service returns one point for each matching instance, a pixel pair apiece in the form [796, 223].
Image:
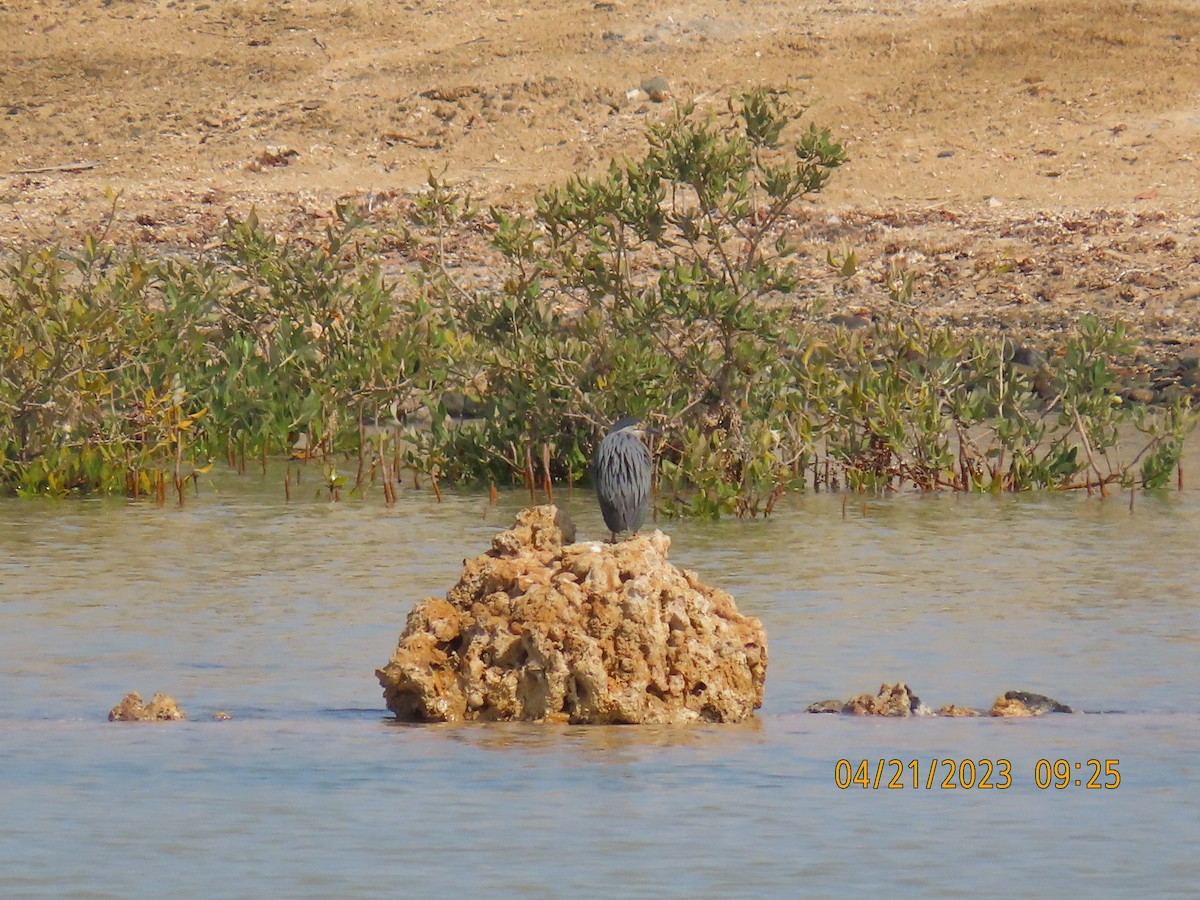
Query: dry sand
[1029, 161]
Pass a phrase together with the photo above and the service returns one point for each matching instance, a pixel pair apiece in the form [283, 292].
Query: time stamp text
[974, 774]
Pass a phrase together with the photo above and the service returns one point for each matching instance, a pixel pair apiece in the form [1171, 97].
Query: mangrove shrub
[664, 286]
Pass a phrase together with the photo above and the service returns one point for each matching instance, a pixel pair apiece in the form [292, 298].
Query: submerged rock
[957, 712]
[1024, 703]
[826, 706]
[541, 629]
[899, 700]
[891, 700]
[1010, 708]
[162, 708]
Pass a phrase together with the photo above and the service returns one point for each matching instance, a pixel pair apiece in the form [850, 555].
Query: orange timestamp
[927, 774]
[973, 774]
[1093, 774]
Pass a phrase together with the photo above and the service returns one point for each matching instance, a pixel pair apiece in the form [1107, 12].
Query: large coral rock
[541, 629]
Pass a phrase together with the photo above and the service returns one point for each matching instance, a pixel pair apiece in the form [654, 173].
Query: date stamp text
[973, 774]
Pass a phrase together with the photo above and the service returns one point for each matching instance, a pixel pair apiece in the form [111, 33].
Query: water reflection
[611, 744]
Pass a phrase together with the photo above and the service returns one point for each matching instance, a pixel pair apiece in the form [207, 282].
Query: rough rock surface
[1016, 704]
[542, 629]
[951, 711]
[899, 700]
[162, 708]
[1010, 708]
[1038, 703]
[891, 700]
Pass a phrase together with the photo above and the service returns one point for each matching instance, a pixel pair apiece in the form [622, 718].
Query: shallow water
[280, 613]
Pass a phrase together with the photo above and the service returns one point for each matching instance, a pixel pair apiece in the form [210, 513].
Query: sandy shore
[1030, 162]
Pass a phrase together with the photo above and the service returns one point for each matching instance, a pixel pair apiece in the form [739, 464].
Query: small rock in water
[892, 700]
[131, 709]
[826, 706]
[1037, 704]
[1010, 708]
[954, 712]
[899, 700]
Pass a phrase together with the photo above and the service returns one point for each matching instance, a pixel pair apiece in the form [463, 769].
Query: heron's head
[632, 425]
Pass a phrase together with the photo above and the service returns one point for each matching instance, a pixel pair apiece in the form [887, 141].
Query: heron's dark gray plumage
[621, 471]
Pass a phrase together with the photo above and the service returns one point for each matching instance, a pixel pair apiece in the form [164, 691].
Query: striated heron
[621, 471]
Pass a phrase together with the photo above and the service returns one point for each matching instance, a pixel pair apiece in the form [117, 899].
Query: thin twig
[1087, 448]
[63, 167]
